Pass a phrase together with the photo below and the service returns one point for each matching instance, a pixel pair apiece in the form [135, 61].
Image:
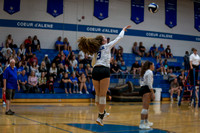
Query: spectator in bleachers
[161, 50]
[81, 56]
[135, 49]
[88, 71]
[115, 69]
[32, 83]
[68, 69]
[14, 55]
[66, 42]
[66, 51]
[20, 68]
[26, 67]
[62, 60]
[165, 64]
[74, 62]
[175, 88]
[160, 68]
[47, 61]
[74, 80]
[53, 71]
[168, 52]
[82, 83]
[34, 68]
[42, 82]
[182, 79]
[7, 55]
[23, 80]
[80, 70]
[59, 44]
[86, 61]
[5, 49]
[119, 54]
[142, 49]
[24, 60]
[61, 71]
[157, 54]
[43, 68]
[123, 69]
[57, 59]
[152, 51]
[136, 68]
[112, 60]
[22, 50]
[171, 76]
[18, 57]
[50, 84]
[28, 44]
[187, 61]
[9, 40]
[36, 43]
[33, 59]
[71, 55]
[66, 83]
[2, 58]
[119, 62]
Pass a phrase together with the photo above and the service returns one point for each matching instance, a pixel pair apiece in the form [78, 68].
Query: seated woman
[43, 68]
[115, 69]
[32, 83]
[88, 71]
[42, 82]
[82, 83]
[136, 68]
[53, 71]
[36, 43]
[66, 83]
[34, 68]
[160, 68]
[74, 80]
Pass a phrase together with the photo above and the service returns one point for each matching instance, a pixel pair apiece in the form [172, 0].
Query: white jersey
[103, 56]
[147, 79]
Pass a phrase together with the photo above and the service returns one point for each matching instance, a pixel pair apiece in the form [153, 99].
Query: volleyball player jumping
[101, 63]
[146, 92]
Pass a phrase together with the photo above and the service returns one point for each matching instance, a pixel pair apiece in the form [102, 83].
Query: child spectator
[66, 83]
[43, 82]
[74, 80]
[50, 84]
[82, 83]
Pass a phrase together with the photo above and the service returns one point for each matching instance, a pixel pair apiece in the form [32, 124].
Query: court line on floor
[42, 123]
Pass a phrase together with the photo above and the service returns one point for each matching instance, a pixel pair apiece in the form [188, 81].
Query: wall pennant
[197, 16]
[55, 7]
[137, 11]
[101, 9]
[11, 6]
[171, 13]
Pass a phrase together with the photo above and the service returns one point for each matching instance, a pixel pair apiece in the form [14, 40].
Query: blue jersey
[11, 77]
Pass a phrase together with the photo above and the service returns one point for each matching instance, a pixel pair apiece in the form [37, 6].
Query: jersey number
[98, 55]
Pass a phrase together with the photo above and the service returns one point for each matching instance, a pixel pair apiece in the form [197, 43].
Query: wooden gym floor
[80, 118]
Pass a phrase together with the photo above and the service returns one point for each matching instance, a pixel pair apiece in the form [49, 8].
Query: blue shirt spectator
[74, 79]
[66, 52]
[161, 48]
[59, 42]
[23, 78]
[153, 48]
[11, 77]
[20, 69]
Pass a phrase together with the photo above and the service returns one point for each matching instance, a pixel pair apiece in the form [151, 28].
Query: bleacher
[129, 59]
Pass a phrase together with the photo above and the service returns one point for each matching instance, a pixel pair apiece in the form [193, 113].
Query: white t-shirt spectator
[4, 50]
[53, 70]
[81, 55]
[74, 63]
[195, 59]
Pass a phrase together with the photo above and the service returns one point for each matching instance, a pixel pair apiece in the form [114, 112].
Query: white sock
[142, 121]
[171, 97]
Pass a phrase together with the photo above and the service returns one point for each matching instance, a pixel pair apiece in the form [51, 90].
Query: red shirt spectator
[33, 59]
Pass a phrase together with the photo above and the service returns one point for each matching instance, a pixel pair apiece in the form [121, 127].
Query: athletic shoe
[149, 123]
[80, 92]
[99, 121]
[106, 114]
[87, 92]
[144, 126]
[9, 112]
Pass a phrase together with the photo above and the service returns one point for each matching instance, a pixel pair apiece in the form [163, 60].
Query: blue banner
[55, 7]
[101, 9]
[171, 13]
[197, 16]
[11, 6]
[95, 29]
[137, 11]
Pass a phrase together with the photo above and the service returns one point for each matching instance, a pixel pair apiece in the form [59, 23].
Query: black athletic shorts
[10, 93]
[144, 89]
[100, 72]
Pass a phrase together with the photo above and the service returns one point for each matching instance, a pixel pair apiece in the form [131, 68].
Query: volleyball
[153, 8]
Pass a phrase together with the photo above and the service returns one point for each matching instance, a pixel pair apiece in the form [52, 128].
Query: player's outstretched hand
[126, 27]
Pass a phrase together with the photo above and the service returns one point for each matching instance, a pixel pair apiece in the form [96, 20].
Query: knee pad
[102, 100]
[96, 99]
[144, 111]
